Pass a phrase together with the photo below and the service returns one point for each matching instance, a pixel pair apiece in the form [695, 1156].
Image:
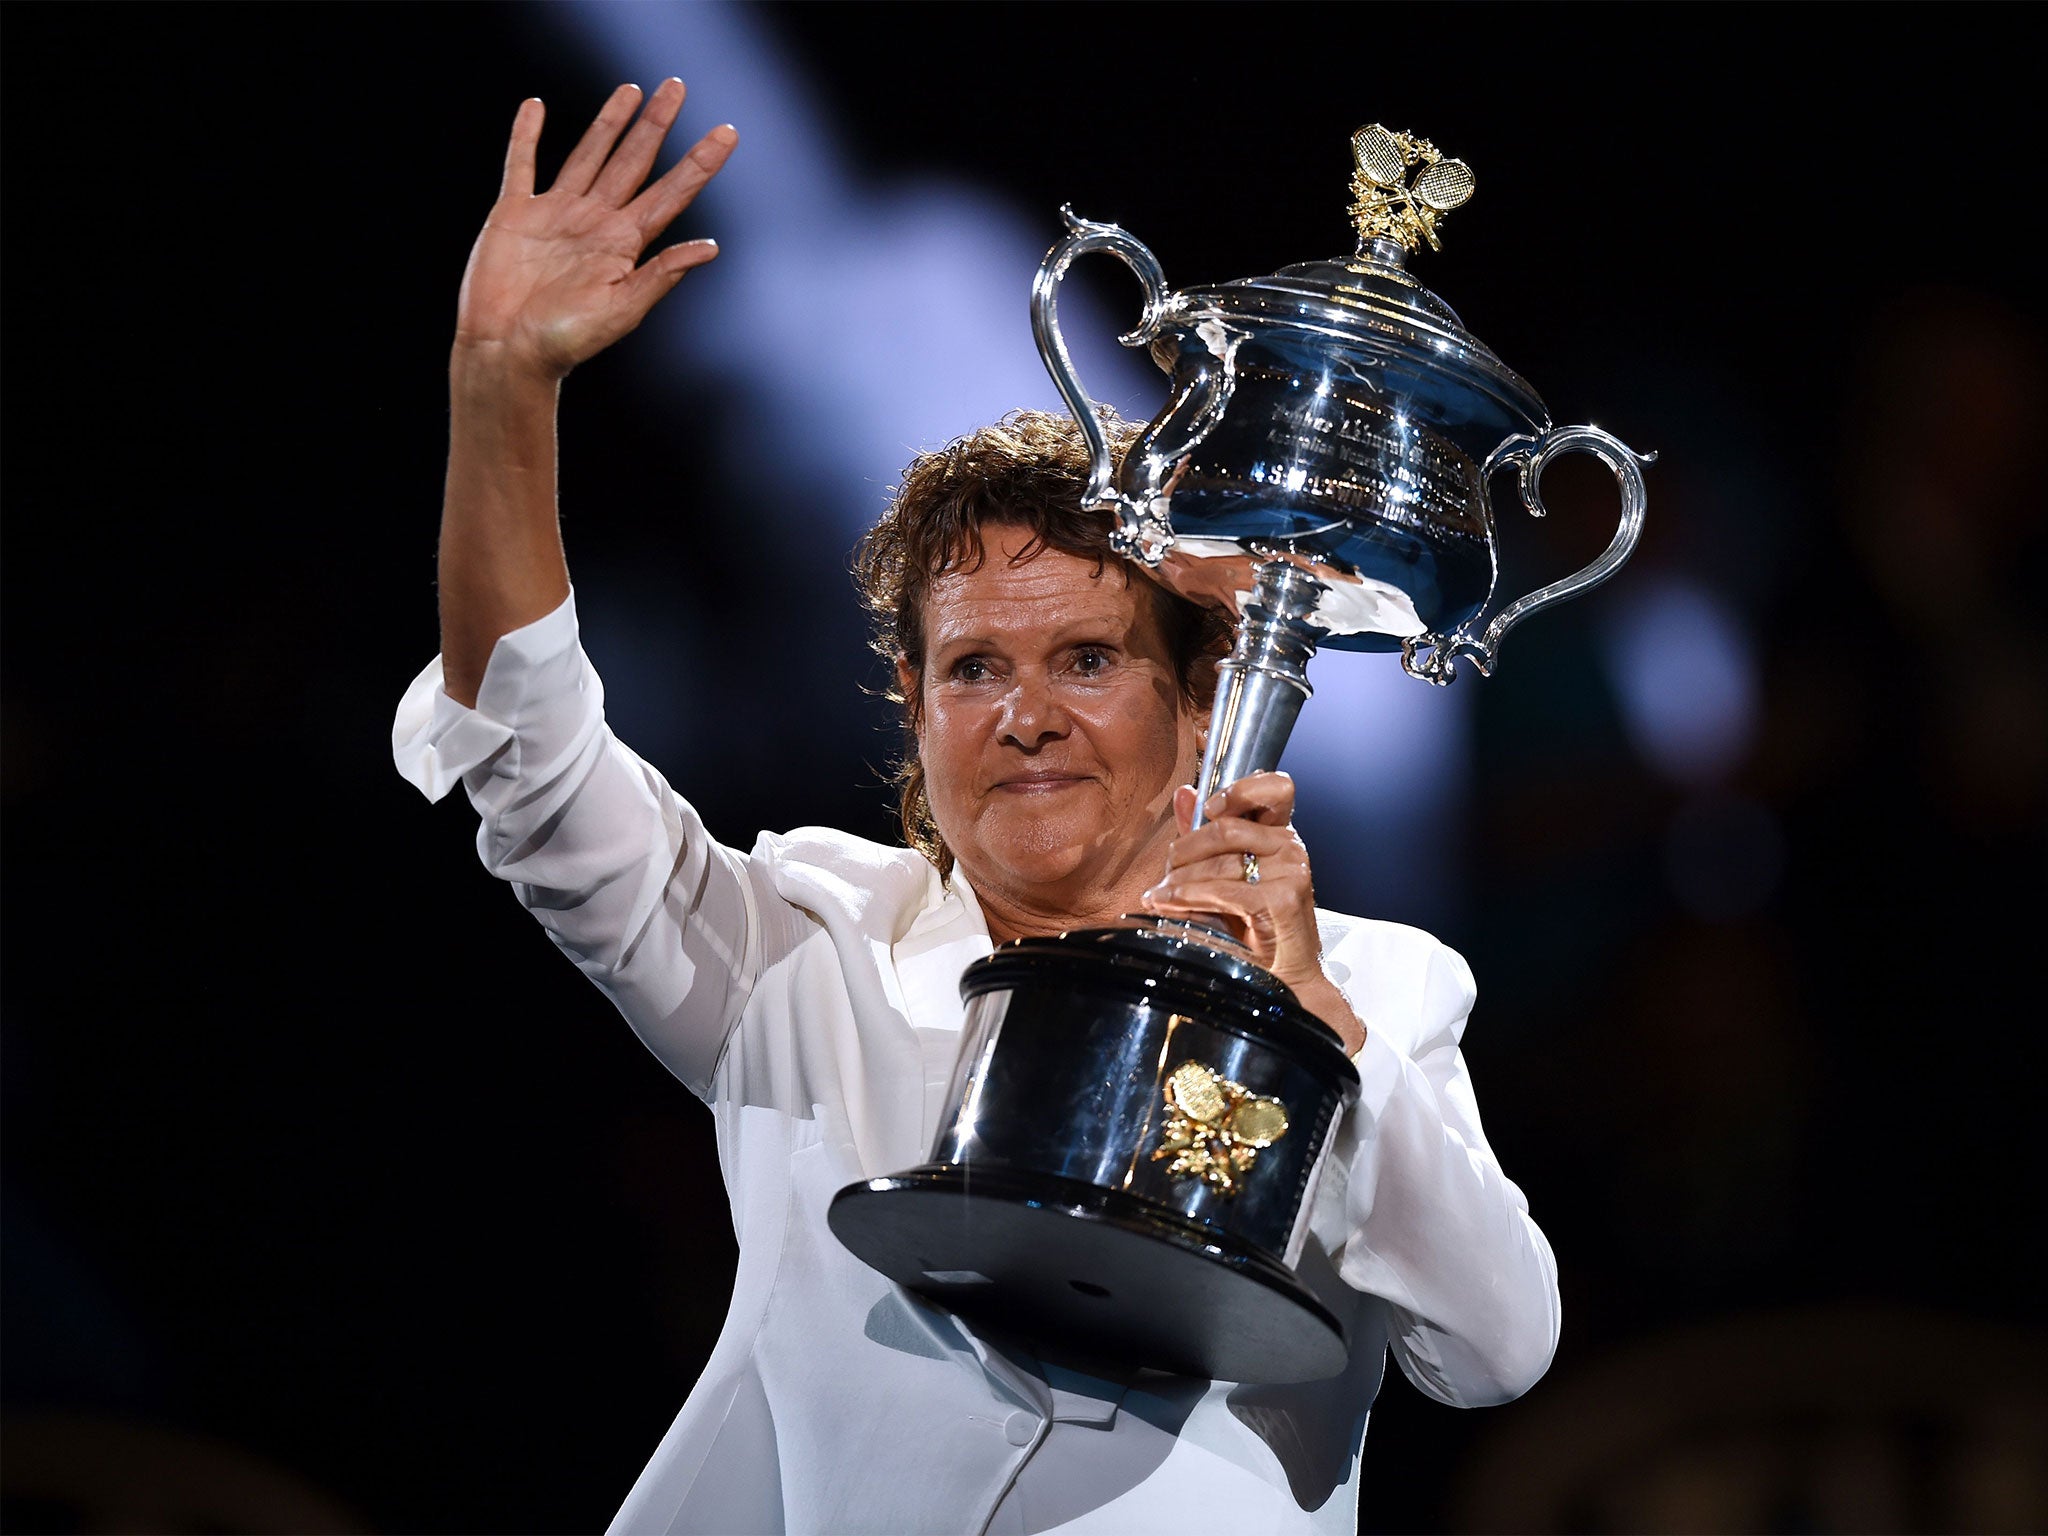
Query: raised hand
[556, 278]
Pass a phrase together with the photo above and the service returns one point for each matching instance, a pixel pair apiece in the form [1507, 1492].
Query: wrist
[1321, 997]
[479, 366]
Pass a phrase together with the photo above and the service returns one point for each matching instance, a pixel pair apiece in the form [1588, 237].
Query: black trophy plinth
[1126, 1160]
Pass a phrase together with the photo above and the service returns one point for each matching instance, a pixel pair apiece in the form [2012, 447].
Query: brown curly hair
[1027, 471]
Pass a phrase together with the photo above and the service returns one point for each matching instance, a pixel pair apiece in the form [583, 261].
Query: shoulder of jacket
[1376, 938]
[1400, 978]
[823, 868]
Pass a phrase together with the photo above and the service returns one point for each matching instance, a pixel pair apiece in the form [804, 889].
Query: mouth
[1040, 783]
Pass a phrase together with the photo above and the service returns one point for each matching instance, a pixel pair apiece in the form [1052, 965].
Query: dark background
[334, 1199]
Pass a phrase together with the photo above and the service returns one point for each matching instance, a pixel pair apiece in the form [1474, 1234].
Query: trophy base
[1069, 1264]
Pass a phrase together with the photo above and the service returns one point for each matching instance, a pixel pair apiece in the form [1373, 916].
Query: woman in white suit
[807, 989]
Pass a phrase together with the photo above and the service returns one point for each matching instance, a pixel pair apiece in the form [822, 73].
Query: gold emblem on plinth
[1386, 204]
[1215, 1128]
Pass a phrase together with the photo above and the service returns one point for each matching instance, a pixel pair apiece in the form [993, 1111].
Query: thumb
[655, 277]
[1184, 807]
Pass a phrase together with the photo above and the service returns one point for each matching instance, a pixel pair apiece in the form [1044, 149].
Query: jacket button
[1019, 1427]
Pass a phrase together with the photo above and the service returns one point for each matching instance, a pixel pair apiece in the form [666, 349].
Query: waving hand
[555, 278]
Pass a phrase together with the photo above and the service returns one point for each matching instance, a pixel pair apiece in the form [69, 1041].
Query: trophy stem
[1263, 682]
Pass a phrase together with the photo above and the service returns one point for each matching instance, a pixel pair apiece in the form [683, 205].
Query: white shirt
[808, 992]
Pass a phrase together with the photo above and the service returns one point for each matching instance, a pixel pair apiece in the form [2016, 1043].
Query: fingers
[519, 151]
[1216, 912]
[1206, 874]
[1230, 838]
[1262, 797]
[1200, 883]
[1222, 855]
[1275, 918]
[1211, 859]
[1267, 798]
[659, 204]
[634, 158]
[1226, 899]
[588, 157]
[605, 167]
[1277, 864]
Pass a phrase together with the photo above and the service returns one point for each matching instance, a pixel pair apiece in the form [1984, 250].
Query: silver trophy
[1129, 1153]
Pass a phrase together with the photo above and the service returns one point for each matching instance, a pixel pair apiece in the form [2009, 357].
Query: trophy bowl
[1338, 417]
[1129, 1153]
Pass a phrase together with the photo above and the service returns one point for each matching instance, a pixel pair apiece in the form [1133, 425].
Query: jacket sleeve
[616, 866]
[1413, 1207]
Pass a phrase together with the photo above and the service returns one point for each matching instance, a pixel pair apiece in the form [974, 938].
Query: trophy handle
[1530, 456]
[1139, 533]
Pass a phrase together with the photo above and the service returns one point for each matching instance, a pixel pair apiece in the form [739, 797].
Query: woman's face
[1053, 730]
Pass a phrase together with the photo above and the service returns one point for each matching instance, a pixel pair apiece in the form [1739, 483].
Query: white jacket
[808, 992]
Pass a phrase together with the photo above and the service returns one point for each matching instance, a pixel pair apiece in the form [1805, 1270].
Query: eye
[1092, 660]
[971, 669]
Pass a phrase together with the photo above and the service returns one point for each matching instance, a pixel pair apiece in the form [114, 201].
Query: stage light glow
[1684, 670]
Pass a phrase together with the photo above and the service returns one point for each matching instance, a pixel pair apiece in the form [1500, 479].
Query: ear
[1198, 719]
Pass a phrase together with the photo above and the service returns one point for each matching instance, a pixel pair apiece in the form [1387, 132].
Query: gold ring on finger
[1251, 867]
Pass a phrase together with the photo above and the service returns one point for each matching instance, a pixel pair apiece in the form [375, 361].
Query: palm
[550, 279]
[556, 278]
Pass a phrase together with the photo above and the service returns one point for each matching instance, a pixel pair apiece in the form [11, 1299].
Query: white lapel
[940, 943]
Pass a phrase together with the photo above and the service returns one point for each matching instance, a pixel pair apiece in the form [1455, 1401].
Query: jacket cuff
[435, 741]
[1379, 1065]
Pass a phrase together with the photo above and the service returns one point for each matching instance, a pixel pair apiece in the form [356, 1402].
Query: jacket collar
[941, 942]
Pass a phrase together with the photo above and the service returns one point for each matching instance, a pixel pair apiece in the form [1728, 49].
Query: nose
[1032, 713]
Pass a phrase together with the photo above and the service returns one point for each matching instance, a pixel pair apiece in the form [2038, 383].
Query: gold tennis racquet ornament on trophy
[1140, 1114]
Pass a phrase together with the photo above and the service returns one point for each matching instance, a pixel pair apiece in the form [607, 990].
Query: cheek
[1146, 738]
[949, 740]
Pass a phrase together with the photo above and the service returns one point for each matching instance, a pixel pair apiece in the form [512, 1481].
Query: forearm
[501, 560]
[1413, 1205]
[1441, 1233]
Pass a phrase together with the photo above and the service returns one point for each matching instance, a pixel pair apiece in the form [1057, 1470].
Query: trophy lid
[1370, 299]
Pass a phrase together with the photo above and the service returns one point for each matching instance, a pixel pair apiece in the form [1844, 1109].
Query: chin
[1043, 850]
[1048, 852]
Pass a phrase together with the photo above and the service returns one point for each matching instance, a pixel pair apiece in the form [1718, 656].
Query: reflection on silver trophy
[1131, 1146]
